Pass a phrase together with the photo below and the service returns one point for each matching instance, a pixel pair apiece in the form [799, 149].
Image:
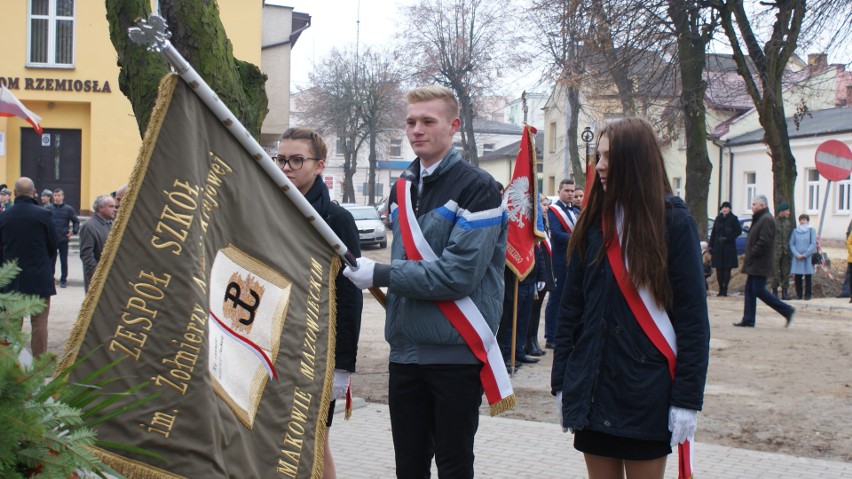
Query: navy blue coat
[26, 234]
[612, 377]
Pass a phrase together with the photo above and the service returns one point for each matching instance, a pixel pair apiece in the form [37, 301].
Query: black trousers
[434, 411]
[63, 261]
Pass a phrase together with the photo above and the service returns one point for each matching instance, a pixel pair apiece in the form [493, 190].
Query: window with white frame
[844, 196]
[812, 200]
[551, 133]
[51, 33]
[339, 147]
[395, 149]
[677, 185]
[750, 188]
[487, 147]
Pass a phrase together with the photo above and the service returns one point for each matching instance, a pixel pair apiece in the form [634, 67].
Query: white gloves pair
[341, 384]
[682, 424]
[362, 277]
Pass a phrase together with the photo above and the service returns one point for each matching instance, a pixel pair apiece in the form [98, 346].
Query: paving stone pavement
[506, 448]
[511, 448]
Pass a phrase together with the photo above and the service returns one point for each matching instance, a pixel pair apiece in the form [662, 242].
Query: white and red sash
[566, 218]
[655, 323]
[462, 313]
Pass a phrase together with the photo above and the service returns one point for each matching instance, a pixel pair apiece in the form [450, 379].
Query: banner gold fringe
[152, 132]
[130, 468]
[503, 405]
[322, 416]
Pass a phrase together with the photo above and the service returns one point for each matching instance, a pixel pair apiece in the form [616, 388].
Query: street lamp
[587, 136]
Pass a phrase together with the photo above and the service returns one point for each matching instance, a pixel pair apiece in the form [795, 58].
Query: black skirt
[629, 449]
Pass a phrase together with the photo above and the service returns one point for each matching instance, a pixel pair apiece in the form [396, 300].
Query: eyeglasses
[295, 162]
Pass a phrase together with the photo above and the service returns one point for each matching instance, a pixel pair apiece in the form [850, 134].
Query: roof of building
[495, 127]
[816, 123]
[511, 151]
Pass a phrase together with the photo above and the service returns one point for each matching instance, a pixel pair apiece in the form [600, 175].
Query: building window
[750, 188]
[812, 201]
[843, 196]
[395, 149]
[51, 33]
[487, 147]
[677, 183]
[551, 133]
[339, 147]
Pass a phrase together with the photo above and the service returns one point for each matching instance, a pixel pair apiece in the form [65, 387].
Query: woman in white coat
[802, 246]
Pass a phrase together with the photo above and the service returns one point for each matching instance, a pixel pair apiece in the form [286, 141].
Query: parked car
[745, 224]
[371, 230]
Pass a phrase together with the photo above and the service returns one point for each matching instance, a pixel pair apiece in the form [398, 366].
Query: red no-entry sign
[833, 160]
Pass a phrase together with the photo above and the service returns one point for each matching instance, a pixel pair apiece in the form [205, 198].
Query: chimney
[817, 61]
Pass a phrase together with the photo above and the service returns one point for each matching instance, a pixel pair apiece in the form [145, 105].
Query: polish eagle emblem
[518, 203]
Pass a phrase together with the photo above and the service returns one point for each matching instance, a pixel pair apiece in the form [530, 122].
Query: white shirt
[424, 172]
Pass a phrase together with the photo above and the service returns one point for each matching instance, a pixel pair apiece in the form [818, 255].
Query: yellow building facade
[57, 59]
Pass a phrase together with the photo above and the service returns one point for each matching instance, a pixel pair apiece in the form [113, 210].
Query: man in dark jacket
[93, 236]
[65, 222]
[759, 263]
[457, 224]
[561, 226]
[27, 235]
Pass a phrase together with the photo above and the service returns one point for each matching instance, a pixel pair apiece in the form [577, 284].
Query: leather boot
[775, 292]
[784, 295]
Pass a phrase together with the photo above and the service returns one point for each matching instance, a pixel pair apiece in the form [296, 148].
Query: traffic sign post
[833, 160]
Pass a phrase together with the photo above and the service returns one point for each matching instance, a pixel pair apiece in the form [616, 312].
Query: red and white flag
[11, 106]
[521, 202]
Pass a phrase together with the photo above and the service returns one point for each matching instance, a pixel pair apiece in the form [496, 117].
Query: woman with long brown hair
[633, 334]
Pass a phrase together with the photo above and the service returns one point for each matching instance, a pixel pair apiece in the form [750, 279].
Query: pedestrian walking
[759, 263]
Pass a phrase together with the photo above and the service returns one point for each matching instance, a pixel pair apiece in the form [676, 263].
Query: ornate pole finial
[153, 34]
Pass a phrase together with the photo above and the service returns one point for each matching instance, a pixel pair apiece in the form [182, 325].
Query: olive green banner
[217, 291]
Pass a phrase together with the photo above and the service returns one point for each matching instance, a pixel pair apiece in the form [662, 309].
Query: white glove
[682, 424]
[341, 384]
[540, 285]
[362, 277]
[559, 413]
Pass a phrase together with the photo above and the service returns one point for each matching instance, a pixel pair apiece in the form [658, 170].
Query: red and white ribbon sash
[566, 218]
[653, 320]
[462, 313]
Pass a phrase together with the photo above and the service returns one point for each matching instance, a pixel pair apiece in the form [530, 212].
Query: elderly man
[119, 195]
[759, 263]
[93, 236]
[27, 235]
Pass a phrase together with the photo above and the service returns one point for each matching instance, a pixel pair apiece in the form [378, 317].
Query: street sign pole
[833, 160]
[824, 210]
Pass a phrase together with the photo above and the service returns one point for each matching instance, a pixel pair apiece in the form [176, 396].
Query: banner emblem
[245, 333]
[518, 203]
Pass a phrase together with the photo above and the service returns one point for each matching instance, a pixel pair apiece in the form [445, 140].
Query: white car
[371, 230]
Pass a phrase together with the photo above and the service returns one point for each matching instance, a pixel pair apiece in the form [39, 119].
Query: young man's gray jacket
[461, 216]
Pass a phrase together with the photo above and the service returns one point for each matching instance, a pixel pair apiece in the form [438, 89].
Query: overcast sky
[334, 24]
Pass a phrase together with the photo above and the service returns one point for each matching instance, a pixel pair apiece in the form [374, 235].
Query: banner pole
[154, 35]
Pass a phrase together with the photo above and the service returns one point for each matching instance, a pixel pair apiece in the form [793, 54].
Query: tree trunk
[466, 107]
[573, 127]
[197, 33]
[774, 123]
[691, 47]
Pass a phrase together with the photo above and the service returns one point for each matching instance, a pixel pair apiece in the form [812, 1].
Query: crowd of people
[36, 230]
[621, 266]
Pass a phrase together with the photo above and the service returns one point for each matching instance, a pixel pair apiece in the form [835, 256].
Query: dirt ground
[768, 388]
